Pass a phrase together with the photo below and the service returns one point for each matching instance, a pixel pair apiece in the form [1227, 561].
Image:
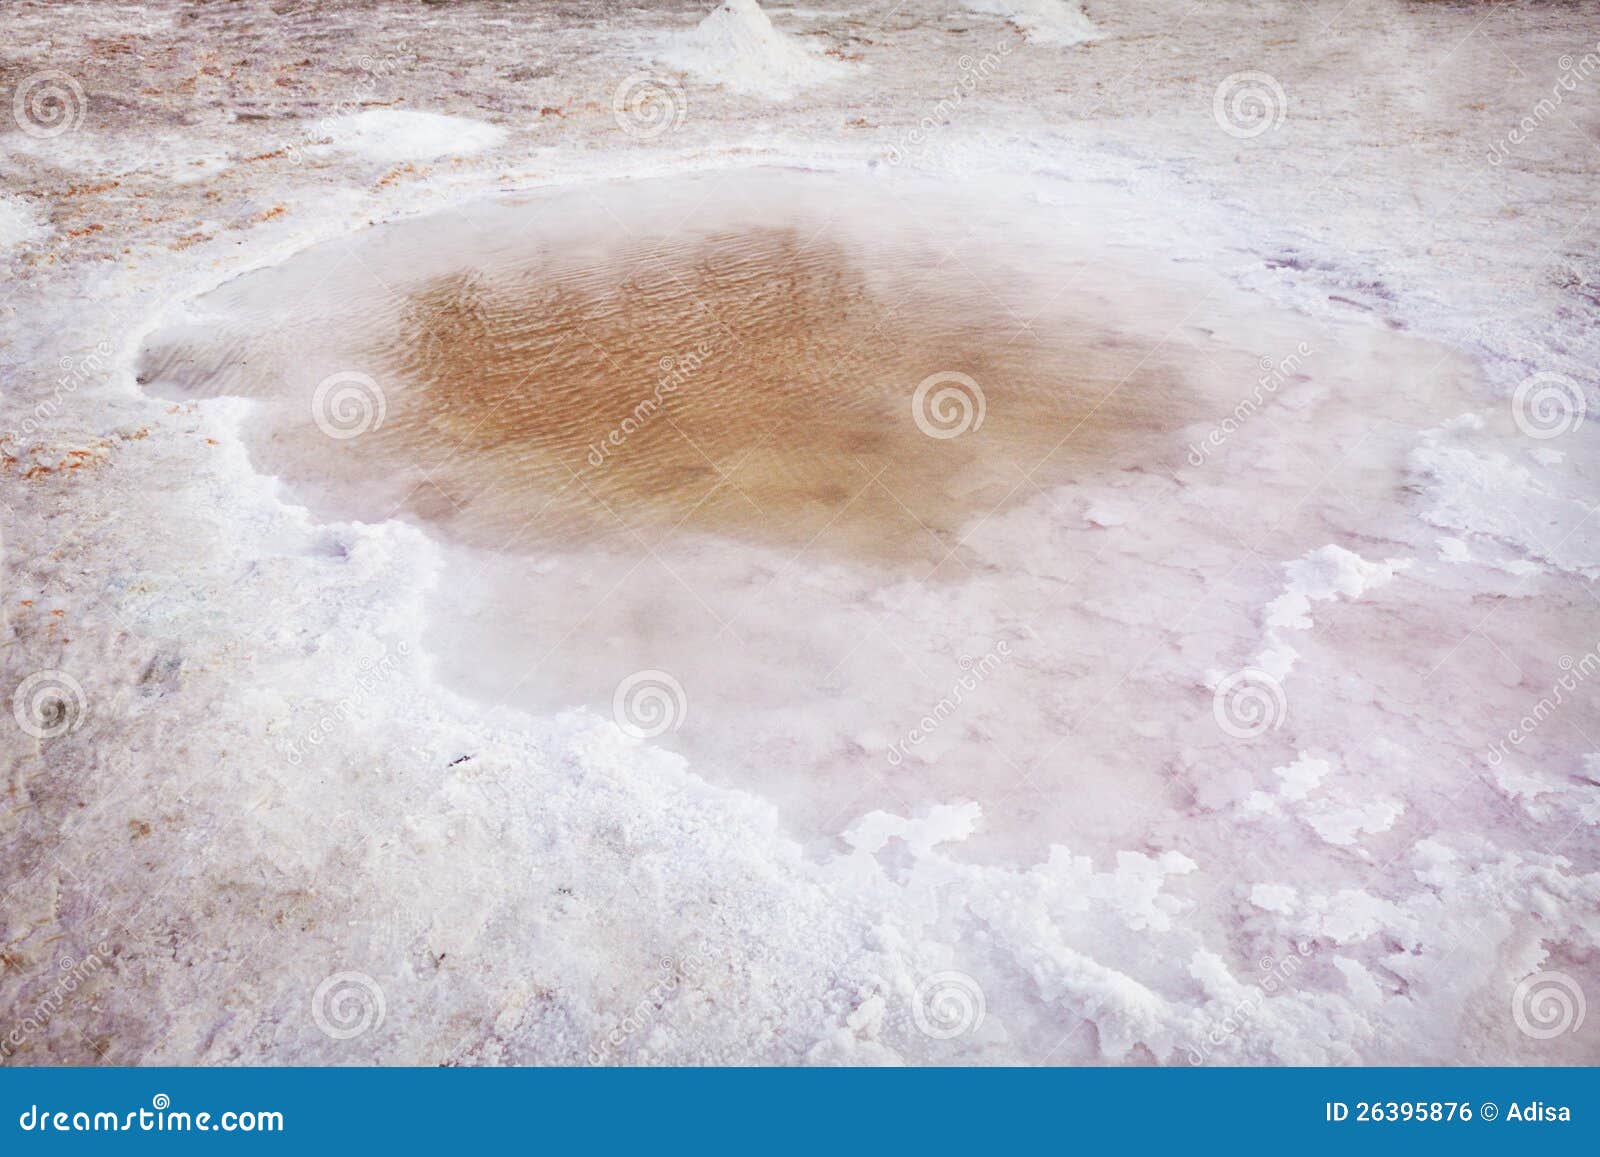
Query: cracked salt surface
[282, 771]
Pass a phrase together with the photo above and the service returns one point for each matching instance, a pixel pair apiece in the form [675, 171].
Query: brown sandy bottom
[619, 372]
[741, 458]
[748, 384]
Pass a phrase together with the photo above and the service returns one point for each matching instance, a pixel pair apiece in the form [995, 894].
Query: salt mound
[396, 135]
[738, 47]
[1059, 22]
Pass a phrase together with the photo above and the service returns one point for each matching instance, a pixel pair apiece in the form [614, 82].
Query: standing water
[786, 470]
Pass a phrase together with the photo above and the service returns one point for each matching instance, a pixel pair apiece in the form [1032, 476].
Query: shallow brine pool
[833, 483]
